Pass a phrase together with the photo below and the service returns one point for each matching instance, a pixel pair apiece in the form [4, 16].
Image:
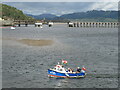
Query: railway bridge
[93, 24]
[70, 24]
[23, 22]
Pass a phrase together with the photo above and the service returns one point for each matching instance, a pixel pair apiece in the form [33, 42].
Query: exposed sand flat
[31, 42]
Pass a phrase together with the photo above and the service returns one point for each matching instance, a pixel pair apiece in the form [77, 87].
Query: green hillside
[9, 12]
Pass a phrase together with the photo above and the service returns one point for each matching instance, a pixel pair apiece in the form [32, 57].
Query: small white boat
[12, 28]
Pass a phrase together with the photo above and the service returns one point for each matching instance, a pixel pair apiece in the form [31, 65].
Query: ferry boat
[60, 71]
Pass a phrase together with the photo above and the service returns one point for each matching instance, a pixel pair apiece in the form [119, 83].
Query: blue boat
[60, 71]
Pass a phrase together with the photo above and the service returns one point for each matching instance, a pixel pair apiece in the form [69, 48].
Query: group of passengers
[71, 70]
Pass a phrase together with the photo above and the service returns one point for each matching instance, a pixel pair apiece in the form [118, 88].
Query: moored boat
[13, 28]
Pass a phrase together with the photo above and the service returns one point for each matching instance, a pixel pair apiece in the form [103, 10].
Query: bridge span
[93, 24]
[70, 24]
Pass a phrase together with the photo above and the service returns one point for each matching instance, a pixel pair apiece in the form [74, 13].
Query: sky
[60, 8]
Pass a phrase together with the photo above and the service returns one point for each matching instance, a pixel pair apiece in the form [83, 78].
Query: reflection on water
[59, 82]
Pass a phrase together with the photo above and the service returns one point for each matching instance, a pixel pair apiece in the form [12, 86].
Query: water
[25, 66]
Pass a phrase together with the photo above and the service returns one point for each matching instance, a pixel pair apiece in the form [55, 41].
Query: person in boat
[78, 70]
[70, 70]
[62, 66]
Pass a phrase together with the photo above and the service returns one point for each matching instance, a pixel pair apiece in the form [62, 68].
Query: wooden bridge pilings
[71, 24]
[93, 24]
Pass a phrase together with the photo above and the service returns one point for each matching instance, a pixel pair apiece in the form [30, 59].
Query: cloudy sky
[59, 8]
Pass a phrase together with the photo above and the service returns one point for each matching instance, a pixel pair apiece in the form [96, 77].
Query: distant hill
[98, 16]
[93, 16]
[9, 12]
[43, 16]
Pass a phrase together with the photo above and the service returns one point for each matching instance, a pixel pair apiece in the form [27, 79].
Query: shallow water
[25, 66]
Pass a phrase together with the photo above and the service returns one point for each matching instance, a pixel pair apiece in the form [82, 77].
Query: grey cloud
[60, 0]
[59, 8]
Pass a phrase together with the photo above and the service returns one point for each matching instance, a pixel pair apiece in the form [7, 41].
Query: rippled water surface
[25, 65]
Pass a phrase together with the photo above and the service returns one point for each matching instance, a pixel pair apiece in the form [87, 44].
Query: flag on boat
[64, 61]
[83, 68]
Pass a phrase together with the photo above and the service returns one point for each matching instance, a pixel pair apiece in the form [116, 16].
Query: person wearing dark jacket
[78, 70]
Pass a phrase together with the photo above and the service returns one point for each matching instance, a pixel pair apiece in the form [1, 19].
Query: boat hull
[52, 73]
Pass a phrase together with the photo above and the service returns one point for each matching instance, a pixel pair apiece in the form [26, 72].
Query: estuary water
[27, 53]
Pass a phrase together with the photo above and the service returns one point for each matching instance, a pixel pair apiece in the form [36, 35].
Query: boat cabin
[59, 68]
